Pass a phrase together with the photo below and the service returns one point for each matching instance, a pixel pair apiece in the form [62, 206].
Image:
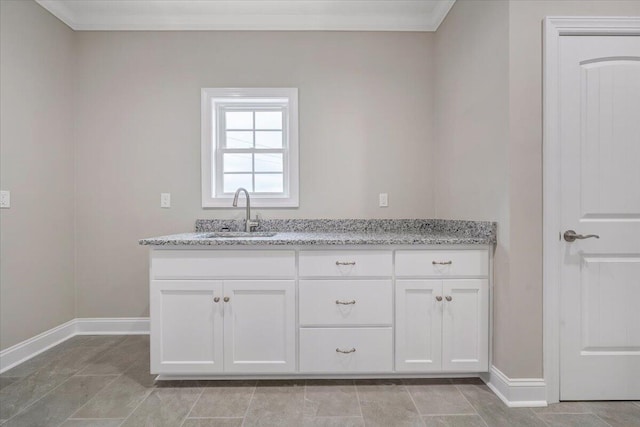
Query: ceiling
[336, 15]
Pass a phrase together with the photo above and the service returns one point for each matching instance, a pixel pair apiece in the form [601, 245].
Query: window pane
[239, 119]
[237, 163]
[239, 140]
[270, 183]
[271, 139]
[234, 181]
[268, 162]
[268, 119]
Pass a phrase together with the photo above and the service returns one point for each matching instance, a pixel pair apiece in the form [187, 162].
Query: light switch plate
[384, 200]
[165, 200]
[5, 199]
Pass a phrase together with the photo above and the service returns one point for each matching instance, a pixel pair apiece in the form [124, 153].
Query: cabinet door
[186, 327]
[418, 325]
[465, 327]
[259, 326]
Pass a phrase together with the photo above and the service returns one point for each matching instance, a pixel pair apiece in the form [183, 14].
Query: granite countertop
[318, 232]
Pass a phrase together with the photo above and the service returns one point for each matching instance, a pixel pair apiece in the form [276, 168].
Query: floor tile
[494, 412]
[327, 398]
[276, 403]
[387, 403]
[224, 399]
[166, 407]
[454, 421]
[91, 423]
[438, 397]
[213, 422]
[617, 414]
[17, 396]
[140, 373]
[564, 408]
[333, 422]
[572, 420]
[5, 381]
[119, 358]
[117, 400]
[35, 363]
[58, 405]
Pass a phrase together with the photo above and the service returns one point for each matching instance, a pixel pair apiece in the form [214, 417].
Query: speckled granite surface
[321, 232]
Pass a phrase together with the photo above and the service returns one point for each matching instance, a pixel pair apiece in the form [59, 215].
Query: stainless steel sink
[236, 234]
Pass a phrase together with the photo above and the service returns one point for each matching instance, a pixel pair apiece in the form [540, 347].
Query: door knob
[571, 236]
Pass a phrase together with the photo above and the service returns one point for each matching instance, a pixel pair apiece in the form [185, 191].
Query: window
[250, 140]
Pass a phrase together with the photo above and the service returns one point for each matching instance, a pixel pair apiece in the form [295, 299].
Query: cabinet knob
[448, 298]
[226, 299]
[216, 299]
[352, 350]
[438, 298]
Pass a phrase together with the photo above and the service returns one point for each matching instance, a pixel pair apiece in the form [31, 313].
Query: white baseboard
[27, 349]
[517, 392]
[112, 326]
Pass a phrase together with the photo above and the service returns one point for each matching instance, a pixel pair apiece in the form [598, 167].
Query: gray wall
[489, 148]
[471, 131]
[365, 128]
[36, 165]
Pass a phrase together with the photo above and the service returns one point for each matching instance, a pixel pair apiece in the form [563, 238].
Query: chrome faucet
[249, 225]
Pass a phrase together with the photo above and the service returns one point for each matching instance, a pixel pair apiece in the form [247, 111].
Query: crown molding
[250, 15]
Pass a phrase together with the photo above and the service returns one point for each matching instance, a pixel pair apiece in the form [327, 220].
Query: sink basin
[236, 234]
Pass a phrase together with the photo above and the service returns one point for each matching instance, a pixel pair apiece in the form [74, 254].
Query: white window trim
[208, 160]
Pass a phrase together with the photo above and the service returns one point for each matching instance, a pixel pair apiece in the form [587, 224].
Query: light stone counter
[324, 232]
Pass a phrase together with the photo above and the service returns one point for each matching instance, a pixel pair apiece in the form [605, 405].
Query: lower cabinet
[210, 327]
[442, 325]
[335, 312]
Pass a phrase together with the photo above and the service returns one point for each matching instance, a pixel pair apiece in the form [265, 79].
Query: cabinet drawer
[373, 350]
[442, 263]
[205, 264]
[345, 302]
[345, 263]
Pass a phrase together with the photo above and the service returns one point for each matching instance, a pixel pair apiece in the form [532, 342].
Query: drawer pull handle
[346, 302]
[438, 298]
[441, 262]
[339, 263]
[216, 299]
[353, 350]
[448, 298]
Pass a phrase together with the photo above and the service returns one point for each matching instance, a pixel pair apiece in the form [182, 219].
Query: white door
[186, 326]
[599, 118]
[259, 326]
[465, 325]
[419, 325]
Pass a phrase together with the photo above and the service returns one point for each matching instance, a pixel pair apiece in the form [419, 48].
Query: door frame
[554, 28]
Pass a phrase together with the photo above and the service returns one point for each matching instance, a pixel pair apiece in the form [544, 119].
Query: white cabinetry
[186, 327]
[442, 310]
[442, 325]
[346, 320]
[205, 326]
[219, 312]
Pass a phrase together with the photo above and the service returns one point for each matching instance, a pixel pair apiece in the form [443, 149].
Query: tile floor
[104, 381]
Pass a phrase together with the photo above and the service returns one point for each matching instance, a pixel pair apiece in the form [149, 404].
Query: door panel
[465, 326]
[600, 189]
[259, 327]
[418, 325]
[186, 327]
